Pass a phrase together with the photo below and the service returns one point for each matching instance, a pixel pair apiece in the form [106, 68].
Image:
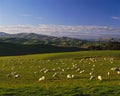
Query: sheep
[111, 62]
[78, 70]
[92, 77]
[35, 72]
[63, 70]
[115, 69]
[100, 77]
[68, 68]
[69, 76]
[16, 76]
[118, 72]
[82, 71]
[75, 66]
[91, 73]
[108, 73]
[42, 78]
[55, 74]
[93, 69]
[72, 76]
[46, 71]
[53, 69]
[93, 65]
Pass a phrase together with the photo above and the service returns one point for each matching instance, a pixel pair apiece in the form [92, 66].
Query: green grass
[30, 69]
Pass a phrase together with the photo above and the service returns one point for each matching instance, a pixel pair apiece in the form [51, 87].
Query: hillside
[55, 67]
[32, 38]
[22, 49]
[31, 43]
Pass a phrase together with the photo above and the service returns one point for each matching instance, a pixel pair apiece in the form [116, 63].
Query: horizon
[89, 18]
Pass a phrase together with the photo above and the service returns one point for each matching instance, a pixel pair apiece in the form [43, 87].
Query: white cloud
[115, 17]
[62, 30]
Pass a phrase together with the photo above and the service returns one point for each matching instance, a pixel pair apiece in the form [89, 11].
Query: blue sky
[37, 13]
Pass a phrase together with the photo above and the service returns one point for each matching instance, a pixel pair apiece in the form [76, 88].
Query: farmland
[55, 67]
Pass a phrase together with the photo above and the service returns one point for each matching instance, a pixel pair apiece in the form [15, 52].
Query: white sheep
[118, 72]
[82, 71]
[115, 69]
[53, 69]
[16, 76]
[108, 73]
[100, 78]
[63, 70]
[42, 78]
[72, 76]
[92, 77]
[91, 73]
[78, 70]
[69, 76]
[93, 69]
[93, 65]
[55, 74]
[46, 71]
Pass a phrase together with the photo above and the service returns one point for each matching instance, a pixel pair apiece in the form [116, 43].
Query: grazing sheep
[111, 62]
[16, 76]
[55, 74]
[82, 71]
[108, 73]
[68, 68]
[118, 72]
[59, 68]
[93, 65]
[100, 78]
[115, 69]
[63, 70]
[35, 72]
[69, 76]
[92, 77]
[91, 73]
[46, 71]
[78, 70]
[93, 69]
[75, 66]
[72, 76]
[42, 78]
[53, 69]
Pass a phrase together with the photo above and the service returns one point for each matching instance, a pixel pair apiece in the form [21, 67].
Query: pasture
[65, 74]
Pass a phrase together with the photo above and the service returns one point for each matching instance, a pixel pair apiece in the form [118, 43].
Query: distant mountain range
[33, 38]
[44, 37]
[24, 35]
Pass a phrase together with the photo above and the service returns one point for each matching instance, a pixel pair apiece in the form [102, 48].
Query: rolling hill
[31, 43]
[22, 49]
[30, 68]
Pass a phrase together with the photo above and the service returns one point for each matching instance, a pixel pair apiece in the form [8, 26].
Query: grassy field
[55, 67]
